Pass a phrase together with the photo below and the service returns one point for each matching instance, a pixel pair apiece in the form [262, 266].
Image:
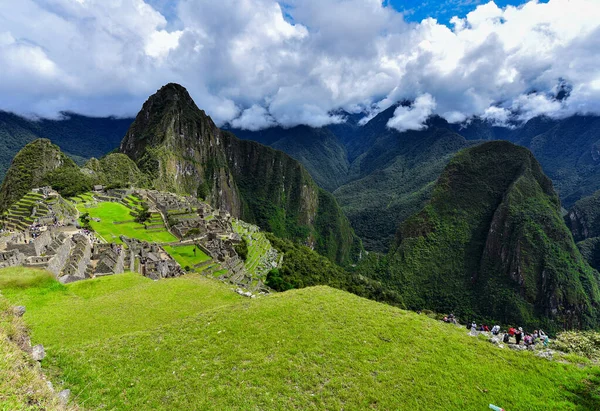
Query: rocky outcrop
[183, 151]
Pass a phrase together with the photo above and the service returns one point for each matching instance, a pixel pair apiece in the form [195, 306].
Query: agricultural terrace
[126, 342]
[116, 219]
[258, 245]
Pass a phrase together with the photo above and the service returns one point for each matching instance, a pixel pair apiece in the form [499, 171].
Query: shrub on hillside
[143, 214]
[584, 343]
[68, 181]
[242, 249]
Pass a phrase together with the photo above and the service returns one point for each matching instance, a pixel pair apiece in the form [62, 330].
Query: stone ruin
[40, 207]
[73, 255]
[169, 202]
[69, 257]
[11, 259]
[110, 259]
[150, 260]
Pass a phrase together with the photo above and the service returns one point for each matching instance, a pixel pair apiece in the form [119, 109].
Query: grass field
[125, 342]
[185, 256]
[109, 213]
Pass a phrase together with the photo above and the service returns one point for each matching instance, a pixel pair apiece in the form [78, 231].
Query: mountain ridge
[491, 242]
[183, 151]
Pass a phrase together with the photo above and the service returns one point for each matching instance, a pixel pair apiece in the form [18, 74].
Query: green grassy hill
[125, 342]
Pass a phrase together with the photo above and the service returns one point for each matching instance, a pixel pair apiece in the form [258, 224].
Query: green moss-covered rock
[491, 243]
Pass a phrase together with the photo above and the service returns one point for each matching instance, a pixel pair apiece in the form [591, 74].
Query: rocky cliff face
[183, 151]
[584, 221]
[491, 243]
[29, 169]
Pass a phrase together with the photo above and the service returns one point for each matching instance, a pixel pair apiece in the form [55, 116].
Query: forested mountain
[180, 148]
[378, 175]
[390, 174]
[492, 243]
[79, 137]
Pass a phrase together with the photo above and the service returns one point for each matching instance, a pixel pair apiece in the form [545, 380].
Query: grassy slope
[128, 343]
[185, 256]
[108, 213]
[22, 386]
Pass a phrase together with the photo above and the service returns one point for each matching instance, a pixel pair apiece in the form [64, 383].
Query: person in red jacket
[519, 335]
[511, 331]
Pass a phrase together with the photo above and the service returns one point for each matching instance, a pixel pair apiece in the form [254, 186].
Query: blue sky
[443, 11]
[414, 10]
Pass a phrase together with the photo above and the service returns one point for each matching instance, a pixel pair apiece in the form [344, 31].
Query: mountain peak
[171, 95]
[172, 90]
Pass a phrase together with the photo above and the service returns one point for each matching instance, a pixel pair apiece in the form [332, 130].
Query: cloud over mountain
[256, 63]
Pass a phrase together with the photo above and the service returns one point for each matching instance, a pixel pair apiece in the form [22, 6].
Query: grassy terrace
[116, 220]
[185, 256]
[125, 342]
[258, 245]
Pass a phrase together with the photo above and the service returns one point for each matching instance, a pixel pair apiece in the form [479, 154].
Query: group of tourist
[90, 235]
[528, 339]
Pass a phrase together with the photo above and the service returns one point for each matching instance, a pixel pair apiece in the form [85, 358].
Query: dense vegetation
[584, 221]
[318, 149]
[191, 343]
[302, 267]
[39, 163]
[492, 244]
[116, 171]
[79, 137]
[387, 176]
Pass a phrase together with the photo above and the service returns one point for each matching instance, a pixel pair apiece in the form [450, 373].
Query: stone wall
[42, 242]
[57, 263]
[79, 259]
[11, 258]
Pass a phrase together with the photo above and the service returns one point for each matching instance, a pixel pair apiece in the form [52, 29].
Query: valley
[299, 205]
[193, 269]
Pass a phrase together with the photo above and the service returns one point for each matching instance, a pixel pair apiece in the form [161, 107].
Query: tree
[143, 214]
[242, 249]
[85, 221]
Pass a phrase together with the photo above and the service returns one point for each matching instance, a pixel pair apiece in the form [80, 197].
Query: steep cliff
[183, 151]
[492, 243]
[584, 221]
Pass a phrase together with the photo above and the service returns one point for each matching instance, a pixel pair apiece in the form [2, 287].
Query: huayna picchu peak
[183, 151]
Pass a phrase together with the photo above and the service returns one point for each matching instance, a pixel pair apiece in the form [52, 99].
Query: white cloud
[256, 62]
[161, 42]
[413, 117]
[497, 115]
[255, 118]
